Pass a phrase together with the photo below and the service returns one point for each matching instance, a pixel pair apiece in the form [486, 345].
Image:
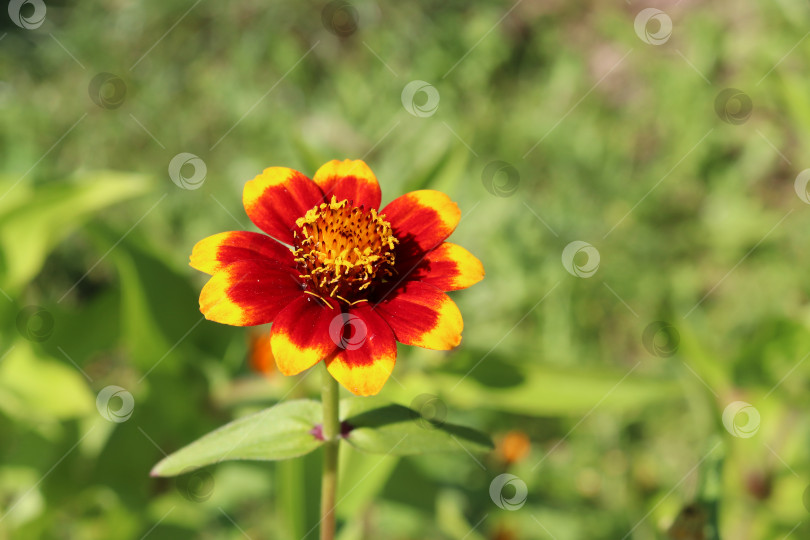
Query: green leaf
[290, 481]
[34, 221]
[149, 283]
[549, 390]
[41, 389]
[280, 432]
[363, 478]
[385, 428]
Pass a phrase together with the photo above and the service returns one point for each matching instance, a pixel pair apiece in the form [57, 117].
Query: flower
[514, 446]
[260, 355]
[340, 281]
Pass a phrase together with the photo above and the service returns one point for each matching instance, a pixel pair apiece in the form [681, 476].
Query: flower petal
[260, 354]
[352, 180]
[249, 292]
[214, 253]
[277, 197]
[449, 267]
[422, 315]
[300, 337]
[367, 353]
[423, 218]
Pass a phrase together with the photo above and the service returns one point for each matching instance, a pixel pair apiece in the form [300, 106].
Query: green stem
[331, 434]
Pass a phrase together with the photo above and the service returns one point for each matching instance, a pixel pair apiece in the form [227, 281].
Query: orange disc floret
[343, 250]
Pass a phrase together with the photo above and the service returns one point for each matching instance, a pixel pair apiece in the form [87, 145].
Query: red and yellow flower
[340, 281]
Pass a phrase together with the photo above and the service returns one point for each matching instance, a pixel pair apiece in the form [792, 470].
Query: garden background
[631, 180]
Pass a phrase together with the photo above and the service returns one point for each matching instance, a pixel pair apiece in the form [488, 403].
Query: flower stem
[331, 434]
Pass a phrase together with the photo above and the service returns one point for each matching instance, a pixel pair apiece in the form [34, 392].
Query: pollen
[343, 251]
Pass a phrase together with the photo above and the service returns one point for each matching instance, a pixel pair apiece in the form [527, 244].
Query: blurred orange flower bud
[260, 357]
[514, 446]
[504, 534]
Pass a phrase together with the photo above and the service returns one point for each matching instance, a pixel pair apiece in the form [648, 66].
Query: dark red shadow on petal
[411, 310]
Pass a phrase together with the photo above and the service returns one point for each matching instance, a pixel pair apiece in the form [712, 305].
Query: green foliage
[280, 432]
[33, 221]
[286, 431]
[60, 392]
[386, 428]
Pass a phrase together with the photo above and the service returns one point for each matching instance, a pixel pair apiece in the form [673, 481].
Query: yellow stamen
[342, 251]
[321, 298]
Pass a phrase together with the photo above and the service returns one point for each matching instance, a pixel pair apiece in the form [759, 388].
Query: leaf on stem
[379, 427]
[280, 432]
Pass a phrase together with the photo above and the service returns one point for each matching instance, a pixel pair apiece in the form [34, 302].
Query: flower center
[343, 250]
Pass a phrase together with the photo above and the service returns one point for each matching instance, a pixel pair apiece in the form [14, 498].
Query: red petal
[218, 251]
[300, 334]
[366, 353]
[421, 220]
[449, 267]
[249, 292]
[352, 180]
[422, 315]
[277, 197]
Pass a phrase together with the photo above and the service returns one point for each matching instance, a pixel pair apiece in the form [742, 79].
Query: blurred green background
[608, 131]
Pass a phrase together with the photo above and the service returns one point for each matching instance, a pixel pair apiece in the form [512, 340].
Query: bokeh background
[632, 181]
